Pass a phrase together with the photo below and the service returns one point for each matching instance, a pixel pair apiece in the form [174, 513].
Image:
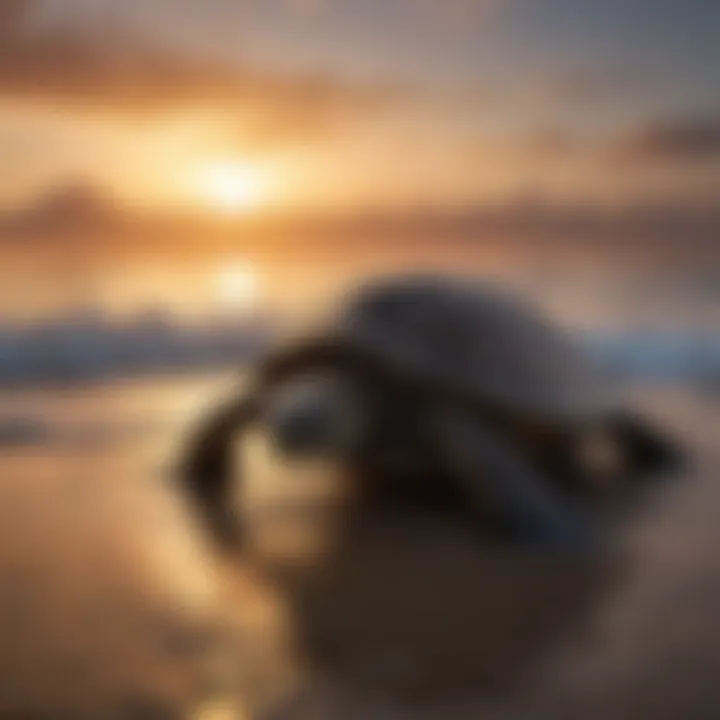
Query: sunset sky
[318, 105]
[132, 132]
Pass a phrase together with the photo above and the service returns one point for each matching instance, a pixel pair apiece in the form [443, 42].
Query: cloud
[693, 143]
[586, 85]
[458, 14]
[695, 139]
[77, 212]
[80, 67]
[553, 144]
[73, 206]
[12, 12]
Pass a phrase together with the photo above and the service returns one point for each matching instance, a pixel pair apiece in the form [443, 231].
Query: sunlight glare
[230, 186]
[238, 285]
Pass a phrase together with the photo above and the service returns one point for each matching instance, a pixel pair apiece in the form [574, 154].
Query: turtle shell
[461, 336]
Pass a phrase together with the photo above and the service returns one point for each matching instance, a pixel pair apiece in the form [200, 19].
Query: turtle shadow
[422, 612]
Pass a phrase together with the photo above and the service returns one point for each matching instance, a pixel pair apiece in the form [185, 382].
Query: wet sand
[112, 606]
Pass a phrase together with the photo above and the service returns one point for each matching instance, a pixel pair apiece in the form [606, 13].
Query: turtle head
[294, 429]
[290, 476]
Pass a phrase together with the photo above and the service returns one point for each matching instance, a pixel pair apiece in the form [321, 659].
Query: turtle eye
[312, 416]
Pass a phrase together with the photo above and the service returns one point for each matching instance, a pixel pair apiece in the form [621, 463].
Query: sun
[230, 186]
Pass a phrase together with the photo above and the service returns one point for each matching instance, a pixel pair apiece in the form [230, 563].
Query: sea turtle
[442, 395]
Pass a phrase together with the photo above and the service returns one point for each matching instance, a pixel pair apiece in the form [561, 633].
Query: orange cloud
[74, 67]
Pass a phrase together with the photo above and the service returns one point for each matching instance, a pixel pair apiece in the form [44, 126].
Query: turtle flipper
[506, 490]
[206, 470]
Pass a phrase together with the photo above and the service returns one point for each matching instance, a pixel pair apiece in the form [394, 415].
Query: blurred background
[181, 178]
[175, 174]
